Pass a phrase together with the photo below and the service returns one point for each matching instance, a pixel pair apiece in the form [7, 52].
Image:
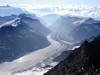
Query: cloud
[81, 10]
[75, 10]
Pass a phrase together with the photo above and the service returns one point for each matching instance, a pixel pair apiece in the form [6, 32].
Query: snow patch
[80, 21]
[75, 47]
[13, 23]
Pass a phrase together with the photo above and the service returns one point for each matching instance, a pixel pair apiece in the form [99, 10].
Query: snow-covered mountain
[20, 36]
[9, 10]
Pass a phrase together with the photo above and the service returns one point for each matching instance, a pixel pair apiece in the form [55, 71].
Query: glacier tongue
[27, 62]
[36, 71]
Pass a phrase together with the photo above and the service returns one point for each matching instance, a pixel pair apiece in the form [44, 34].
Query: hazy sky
[49, 2]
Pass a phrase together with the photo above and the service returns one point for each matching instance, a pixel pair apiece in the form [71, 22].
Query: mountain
[82, 61]
[62, 26]
[4, 19]
[85, 30]
[75, 29]
[49, 19]
[66, 22]
[21, 36]
[9, 10]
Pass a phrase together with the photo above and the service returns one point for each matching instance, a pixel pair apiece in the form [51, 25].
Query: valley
[31, 60]
[31, 44]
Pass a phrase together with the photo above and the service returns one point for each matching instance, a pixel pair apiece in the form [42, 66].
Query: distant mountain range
[20, 35]
[9, 10]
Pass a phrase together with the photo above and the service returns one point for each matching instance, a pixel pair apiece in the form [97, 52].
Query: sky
[73, 7]
[48, 2]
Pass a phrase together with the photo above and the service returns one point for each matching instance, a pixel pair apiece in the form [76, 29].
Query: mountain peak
[14, 22]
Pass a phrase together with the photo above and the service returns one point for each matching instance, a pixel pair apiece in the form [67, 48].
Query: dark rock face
[84, 60]
[23, 36]
[62, 56]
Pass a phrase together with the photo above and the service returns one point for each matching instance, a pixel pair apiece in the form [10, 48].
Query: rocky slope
[84, 60]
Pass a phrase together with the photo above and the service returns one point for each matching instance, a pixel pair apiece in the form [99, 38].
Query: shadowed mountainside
[84, 60]
[20, 36]
[75, 29]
